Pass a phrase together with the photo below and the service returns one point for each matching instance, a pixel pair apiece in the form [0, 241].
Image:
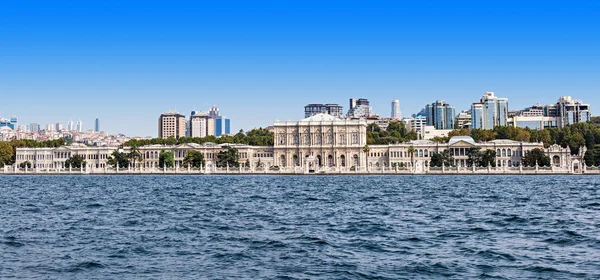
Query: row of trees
[484, 158]
[395, 132]
[254, 137]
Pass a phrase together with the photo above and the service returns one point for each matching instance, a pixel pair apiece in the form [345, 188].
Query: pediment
[462, 144]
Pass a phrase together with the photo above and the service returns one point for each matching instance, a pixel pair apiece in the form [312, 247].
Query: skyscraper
[97, 125]
[396, 110]
[171, 124]
[213, 113]
[79, 126]
[491, 111]
[70, 125]
[440, 115]
[201, 125]
[59, 126]
[222, 126]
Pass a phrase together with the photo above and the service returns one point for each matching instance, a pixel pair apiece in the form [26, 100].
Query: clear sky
[127, 61]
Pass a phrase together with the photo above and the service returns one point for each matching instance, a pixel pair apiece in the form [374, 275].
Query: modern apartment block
[570, 111]
[332, 109]
[489, 112]
[171, 124]
[440, 115]
[201, 125]
[463, 119]
[359, 108]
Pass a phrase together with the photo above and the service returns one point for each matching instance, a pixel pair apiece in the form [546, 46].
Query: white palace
[321, 143]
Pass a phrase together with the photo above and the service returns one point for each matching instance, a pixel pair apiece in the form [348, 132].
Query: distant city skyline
[263, 61]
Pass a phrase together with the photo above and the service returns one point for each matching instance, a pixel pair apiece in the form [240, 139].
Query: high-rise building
[570, 111]
[359, 108]
[14, 122]
[213, 113]
[440, 115]
[331, 109]
[201, 125]
[97, 125]
[396, 109]
[490, 112]
[70, 126]
[222, 126]
[50, 127]
[171, 124]
[34, 127]
[59, 126]
[79, 126]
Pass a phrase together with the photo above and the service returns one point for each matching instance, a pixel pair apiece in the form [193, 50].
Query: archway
[296, 160]
[356, 163]
[282, 161]
[330, 160]
[556, 161]
[343, 160]
[319, 161]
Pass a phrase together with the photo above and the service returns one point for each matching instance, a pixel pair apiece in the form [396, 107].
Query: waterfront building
[97, 125]
[359, 108]
[201, 125]
[320, 140]
[222, 126]
[171, 124]
[396, 110]
[440, 115]
[332, 109]
[491, 111]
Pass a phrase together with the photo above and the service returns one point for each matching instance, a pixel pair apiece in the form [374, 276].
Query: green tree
[118, 157]
[443, 158]
[25, 164]
[229, 157]
[536, 156]
[166, 158]
[193, 159]
[75, 161]
[485, 158]
[6, 154]
[135, 155]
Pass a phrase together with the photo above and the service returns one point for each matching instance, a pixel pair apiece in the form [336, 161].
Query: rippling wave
[300, 227]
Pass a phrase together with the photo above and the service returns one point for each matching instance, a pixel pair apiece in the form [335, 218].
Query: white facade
[201, 125]
[396, 109]
[79, 126]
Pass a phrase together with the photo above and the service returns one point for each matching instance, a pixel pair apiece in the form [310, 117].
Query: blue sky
[127, 61]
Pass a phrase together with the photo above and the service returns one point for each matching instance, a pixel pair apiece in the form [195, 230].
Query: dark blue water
[299, 227]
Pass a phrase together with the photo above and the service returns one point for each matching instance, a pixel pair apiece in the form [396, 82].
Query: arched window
[420, 153]
[509, 153]
[426, 153]
[498, 153]
[503, 152]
